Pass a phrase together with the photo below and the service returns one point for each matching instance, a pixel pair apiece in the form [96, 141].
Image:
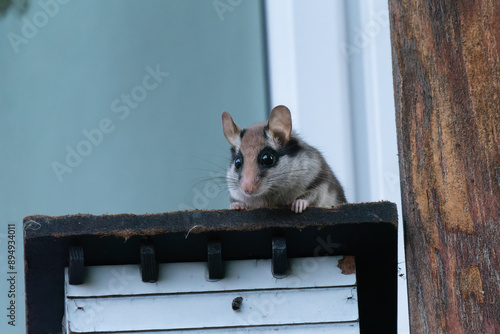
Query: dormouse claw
[299, 205]
[237, 206]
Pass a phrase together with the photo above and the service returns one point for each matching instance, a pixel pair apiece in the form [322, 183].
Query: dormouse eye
[237, 163]
[267, 159]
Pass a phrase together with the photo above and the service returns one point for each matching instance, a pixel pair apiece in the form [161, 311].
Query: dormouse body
[271, 167]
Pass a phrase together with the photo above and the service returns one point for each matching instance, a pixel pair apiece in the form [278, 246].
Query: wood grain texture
[446, 67]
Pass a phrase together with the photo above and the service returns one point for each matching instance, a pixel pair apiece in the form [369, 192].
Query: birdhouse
[258, 271]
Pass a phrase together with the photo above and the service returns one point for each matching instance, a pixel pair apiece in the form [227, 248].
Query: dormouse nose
[249, 182]
[248, 186]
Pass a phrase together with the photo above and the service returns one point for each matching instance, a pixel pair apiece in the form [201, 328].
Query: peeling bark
[347, 265]
[446, 68]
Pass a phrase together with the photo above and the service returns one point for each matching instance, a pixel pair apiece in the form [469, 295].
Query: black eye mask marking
[292, 148]
[267, 158]
[236, 159]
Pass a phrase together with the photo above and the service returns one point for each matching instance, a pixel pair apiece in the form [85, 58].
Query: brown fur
[251, 144]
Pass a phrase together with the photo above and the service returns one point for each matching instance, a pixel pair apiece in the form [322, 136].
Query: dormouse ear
[231, 130]
[280, 124]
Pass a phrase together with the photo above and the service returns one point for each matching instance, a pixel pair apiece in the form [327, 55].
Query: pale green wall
[64, 79]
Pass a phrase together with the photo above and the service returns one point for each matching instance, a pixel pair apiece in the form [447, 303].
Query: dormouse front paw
[299, 205]
[237, 206]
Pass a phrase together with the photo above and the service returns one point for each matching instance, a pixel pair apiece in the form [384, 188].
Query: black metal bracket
[76, 265]
[280, 265]
[215, 265]
[149, 267]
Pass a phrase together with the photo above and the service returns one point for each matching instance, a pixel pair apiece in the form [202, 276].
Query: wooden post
[446, 67]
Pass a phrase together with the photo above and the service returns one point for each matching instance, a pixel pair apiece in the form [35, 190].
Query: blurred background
[115, 106]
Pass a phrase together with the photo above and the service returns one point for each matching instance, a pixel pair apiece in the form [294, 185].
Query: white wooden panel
[199, 310]
[312, 299]
[191, 277]
[342, 328]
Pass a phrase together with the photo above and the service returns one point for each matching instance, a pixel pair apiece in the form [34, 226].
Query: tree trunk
[446, 67]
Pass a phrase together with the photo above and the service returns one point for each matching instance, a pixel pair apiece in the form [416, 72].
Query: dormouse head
[257, 150]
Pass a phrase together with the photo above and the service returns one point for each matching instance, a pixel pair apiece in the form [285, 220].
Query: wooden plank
[192, 277]
[199, 310]
[200, 221]
[334, 328]
[446, 65]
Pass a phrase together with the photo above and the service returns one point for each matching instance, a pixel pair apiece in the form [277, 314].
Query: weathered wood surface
[446, 67]
[202, 221]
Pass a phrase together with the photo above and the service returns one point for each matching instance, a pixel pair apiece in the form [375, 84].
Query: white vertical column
[309, 72]
[370, 39]
[281, 55]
